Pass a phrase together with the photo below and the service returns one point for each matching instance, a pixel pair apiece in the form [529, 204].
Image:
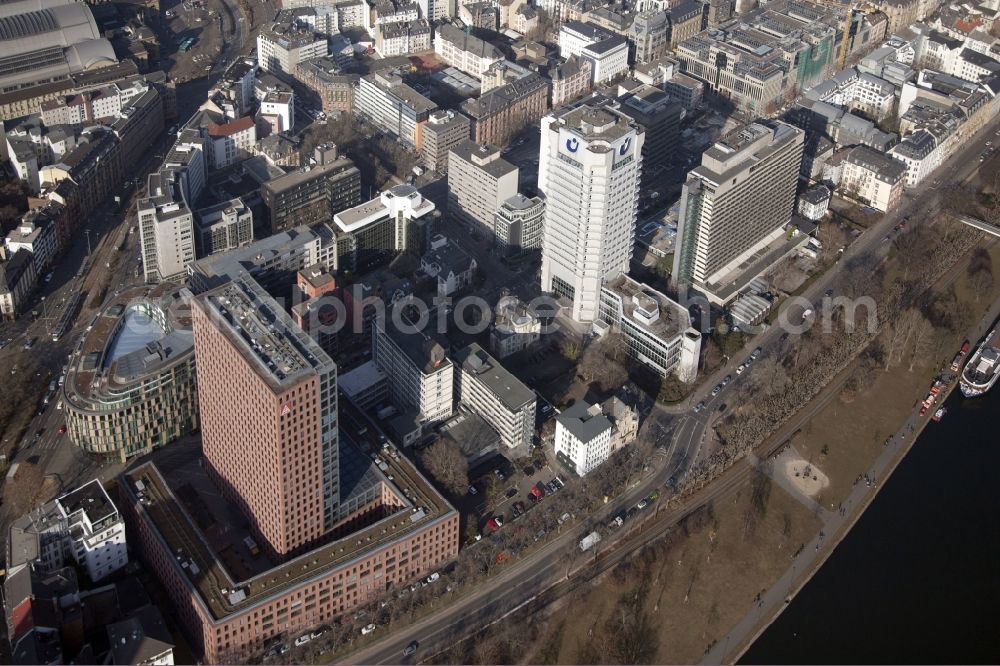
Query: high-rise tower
[268, 400]
[589, 169]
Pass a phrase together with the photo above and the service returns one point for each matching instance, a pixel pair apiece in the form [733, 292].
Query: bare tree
[446, 463]
[924, 336]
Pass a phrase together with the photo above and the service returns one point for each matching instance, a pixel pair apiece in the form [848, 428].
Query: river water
[917, 580]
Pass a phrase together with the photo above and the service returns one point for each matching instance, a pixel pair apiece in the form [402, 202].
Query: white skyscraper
[588, 171]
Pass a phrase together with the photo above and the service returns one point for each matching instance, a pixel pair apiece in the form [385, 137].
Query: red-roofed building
[231, 141]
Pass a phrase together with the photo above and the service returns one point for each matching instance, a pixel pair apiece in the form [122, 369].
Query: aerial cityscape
[500, 331]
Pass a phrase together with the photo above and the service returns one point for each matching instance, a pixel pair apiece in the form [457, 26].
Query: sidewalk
[836, 524]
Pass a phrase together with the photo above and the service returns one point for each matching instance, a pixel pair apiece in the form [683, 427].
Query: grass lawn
[697, 586]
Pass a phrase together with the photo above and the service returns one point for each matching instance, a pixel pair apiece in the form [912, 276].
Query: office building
[394, 107]
[589, 170]
[735, 209]
[286, 416]
[479, 181]
[334, 89]
[166, 228]
[650, 36]
[657, 330]
[443, 131]
[571, 80]
[465, 51]
[486, 388]
[286, 43]
[375, 232]
[607, 52]
[873, 179]
[222, 227]
[422, 374]
[686, 18]
[660, 117]
[84, 524]
[131, 389]
[498, 115]
[312, 194]
[518, 225]
[772, 52]
[515, 327]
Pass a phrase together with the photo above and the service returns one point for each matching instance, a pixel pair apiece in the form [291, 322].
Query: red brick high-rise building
[268, 416]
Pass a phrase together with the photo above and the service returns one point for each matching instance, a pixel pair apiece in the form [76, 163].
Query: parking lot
[198, 21]
[502, 491]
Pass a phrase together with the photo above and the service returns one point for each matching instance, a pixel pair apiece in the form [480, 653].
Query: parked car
[741, 368]
[756, 353]
[642, 504]
[472, 490]
[717, 390]
[302, 640]
[367, 629]
[511, 492]
[725, 380]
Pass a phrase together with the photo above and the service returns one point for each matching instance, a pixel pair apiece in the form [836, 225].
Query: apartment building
[465, 51]
[479, 181]
[394, 107]
[231, 142]
[589, 170]
[735, 209]
[287, 42]
[857, 91]
[583, 437]
[121, 403]
[874, 179]
[686, 19]
[518, 225]
[571, 80]
[38, 235]
[444, 130]
[422, 374]
[498, 115]
[486, 388]
[18, 278]
[402, 37]
[312, 194]
[83, 524]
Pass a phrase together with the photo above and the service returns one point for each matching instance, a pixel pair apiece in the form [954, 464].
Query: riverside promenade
[836, 524]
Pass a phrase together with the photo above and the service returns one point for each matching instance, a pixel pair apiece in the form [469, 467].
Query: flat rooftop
[91, 499]
[184, 510]
[639, 300]
[281, 352]
[505, 386]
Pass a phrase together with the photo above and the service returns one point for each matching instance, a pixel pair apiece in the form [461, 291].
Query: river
[917, 580]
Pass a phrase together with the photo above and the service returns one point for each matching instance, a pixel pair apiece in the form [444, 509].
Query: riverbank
[837, 525]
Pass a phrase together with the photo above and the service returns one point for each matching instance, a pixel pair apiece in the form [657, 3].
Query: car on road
[717, 390]
[700, 406]
[411, 648]
[29, 343]
[62, 429]
[367, 629]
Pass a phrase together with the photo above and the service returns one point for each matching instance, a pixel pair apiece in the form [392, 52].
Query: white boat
[983, 368]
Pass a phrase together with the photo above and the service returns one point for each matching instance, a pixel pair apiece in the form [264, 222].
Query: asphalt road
[523, 581]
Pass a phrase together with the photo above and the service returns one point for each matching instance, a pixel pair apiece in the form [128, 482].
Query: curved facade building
[130, 387]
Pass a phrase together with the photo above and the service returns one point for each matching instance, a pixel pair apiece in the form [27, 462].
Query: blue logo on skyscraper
[624, 147]
[572, 145]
